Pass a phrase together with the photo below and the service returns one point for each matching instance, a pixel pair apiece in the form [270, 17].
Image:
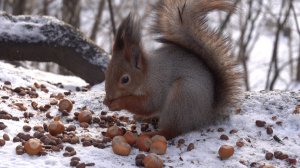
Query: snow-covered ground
[276, 108]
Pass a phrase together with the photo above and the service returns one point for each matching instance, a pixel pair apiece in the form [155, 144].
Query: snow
[255, 106]
[49, 30]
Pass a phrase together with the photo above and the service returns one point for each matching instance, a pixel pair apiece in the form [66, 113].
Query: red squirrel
[188, 82]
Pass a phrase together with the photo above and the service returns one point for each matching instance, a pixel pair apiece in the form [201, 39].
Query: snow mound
[278, 109]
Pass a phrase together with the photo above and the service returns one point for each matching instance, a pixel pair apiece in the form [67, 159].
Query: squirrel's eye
[125, 79]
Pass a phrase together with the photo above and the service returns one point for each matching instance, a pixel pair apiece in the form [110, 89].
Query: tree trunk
[18, 7]
[298, 67]
[71, 12]
[97, 20]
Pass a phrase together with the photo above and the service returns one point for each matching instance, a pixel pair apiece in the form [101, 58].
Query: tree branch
[47, 39]
[112, 17]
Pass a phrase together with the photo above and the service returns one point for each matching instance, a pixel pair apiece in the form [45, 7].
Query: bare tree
[71, 12]
[227, 18]
[298, 32]
[18, 7]
[112, 19]
[246, 33]
[274, 60]
[97, 20]
[4, 4]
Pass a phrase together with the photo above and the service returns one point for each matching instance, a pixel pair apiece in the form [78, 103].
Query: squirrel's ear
[128, 33]
[136, 58]
[128, 40]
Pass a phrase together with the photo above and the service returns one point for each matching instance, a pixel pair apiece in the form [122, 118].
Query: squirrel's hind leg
[187, 108]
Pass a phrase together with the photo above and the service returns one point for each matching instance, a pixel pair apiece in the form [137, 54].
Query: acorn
[226, 151]
[153, 161]
[130, 137]
[158, 147]
[143, 143]
[33, 146]
[85, 116]
[114, 131]
[56, 127]
[65, 105]
[120, 146]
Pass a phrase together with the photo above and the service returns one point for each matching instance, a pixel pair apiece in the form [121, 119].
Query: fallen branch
[46, 39]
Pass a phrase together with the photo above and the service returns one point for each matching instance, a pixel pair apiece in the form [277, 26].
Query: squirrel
[188, 82]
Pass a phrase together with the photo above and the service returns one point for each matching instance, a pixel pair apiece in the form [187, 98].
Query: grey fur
[191, 107]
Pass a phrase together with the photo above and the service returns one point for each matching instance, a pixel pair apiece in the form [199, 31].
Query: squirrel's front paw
[112, 105]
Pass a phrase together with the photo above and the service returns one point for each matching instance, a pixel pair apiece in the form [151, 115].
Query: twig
[296, 20]
[112, 17]
[275, 137]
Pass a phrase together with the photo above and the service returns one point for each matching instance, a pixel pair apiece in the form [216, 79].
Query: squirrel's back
[183, 23]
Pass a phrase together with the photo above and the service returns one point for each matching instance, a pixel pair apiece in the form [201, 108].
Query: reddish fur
[134, 104]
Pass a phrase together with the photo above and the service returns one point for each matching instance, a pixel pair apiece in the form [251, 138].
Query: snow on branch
[47, 39]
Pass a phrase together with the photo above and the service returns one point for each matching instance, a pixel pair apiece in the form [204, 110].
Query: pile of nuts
[123, 142]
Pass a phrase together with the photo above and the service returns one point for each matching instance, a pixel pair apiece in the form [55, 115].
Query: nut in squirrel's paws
[112, 105]
[115, 106]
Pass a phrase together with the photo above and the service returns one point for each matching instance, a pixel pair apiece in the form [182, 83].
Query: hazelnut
[114, 131]
[226, 151]
[33, 146]
[53, 102]
[233, 131]
[269, 156]
[239, 143]
[26, 128]
[159, 138]
[20, 150]
[130, 137]
[158, 147]
[260, 123]
[2, 142]
[153, 161]
[56, 127]
[6, 137]
[224, 137]
[120, 146]
[65, 105]
[190, 147]
[139, 160]
[181, 141]
[71, 128]
[143, 143]
[292, 161]
[84, 125]
[269, 130]
[85, 116]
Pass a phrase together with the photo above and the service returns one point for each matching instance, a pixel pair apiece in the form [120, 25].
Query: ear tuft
[128, 33]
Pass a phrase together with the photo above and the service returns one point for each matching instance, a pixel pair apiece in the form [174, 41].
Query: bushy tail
[183, 23]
